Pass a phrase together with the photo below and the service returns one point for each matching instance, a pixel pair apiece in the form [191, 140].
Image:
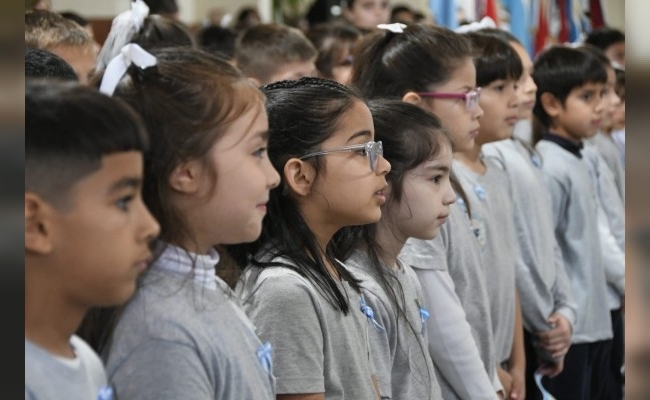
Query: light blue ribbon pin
[367, 311]
[480, 192]
[545, 394]
[105, 393]
[424, 316]
[264, 352]
[537, 162]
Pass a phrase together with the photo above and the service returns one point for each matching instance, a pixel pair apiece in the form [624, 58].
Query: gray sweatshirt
[542, 281]
[574, 201]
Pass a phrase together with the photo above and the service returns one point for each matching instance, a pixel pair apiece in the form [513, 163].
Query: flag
[444, 12]
[542, 27]
[491, 11]
[518, 20]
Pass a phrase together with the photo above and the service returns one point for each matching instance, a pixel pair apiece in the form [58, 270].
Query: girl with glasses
[417, 205]
[408, 64]
[295, 289]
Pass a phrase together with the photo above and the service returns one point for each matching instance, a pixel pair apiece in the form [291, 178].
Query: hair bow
[484, 23]
[395, 28]
[130, 54]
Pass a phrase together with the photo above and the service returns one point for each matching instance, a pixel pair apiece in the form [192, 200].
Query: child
[498, 69]
[602, 142]
[610, 41]
[418, 64]
[611, 212]
[87, 231]
[335, 43]
[148, 31]
[295, 289]
[41, 63]
[273, 52]
[547, 304]
[618, 118]
[366, 14]
[207, 180]
[417, 204]
[570, 86]
[50, 31]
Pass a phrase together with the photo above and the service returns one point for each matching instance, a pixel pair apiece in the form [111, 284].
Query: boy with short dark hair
[571, 84]
[610, 41]
[87, 231]
[268, 53]
[43, 64]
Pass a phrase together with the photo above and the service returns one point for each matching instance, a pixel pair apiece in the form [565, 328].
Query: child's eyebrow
[264, 135]
[126, 182]
[360, 133]
[442, 168]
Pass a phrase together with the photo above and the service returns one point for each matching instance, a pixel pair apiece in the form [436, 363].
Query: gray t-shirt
[491, 217]
[575, 217]
[461, 341]
[317, 348]
[184, 337]
[543, 284]
[400, 350]
[50, 377]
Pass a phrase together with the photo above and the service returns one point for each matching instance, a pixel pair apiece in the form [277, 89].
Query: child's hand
[518, 390]
[557, 340]
[552, 369]
[506, 381]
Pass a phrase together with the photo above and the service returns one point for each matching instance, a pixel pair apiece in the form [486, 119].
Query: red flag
[596, 13]
[563, 35]
[542, 27]
[491, 11]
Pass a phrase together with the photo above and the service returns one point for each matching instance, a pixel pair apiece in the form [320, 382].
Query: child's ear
[551, 104]
[299, 176]
[38, 225]
[412, 97]
[186, 177]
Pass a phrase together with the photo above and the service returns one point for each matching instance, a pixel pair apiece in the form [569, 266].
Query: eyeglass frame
[368, 147]
[468, 97]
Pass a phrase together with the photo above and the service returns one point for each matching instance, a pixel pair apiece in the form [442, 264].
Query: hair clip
[395, 27]
[485, 23]
[130, 54]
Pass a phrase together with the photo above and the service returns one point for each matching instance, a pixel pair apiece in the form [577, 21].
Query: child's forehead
[116, 171]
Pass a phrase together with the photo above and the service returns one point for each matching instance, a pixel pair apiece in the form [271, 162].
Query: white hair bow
[130, 54]
[486, 22]
[123, 28]
[395, 28]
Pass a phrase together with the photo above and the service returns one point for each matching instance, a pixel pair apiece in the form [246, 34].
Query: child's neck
[50, 321]
[391, 244]
[472, 159]
[558, 131]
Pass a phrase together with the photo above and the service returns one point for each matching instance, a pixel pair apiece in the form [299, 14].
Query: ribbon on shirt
[105, 393]
[264, 352]
[367, 311]
[538, 380]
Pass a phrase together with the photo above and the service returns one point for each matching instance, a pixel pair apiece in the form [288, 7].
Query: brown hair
[333, 40]
[188, 100]
[261, 49]
[46, 30]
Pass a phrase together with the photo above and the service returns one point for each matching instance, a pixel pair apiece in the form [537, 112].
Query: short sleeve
[161, 370]
[287, 314]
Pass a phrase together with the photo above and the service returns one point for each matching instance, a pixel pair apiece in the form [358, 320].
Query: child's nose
[383, 166]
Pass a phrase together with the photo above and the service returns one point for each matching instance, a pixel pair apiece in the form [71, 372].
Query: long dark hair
[411, 136]
[302, 115]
